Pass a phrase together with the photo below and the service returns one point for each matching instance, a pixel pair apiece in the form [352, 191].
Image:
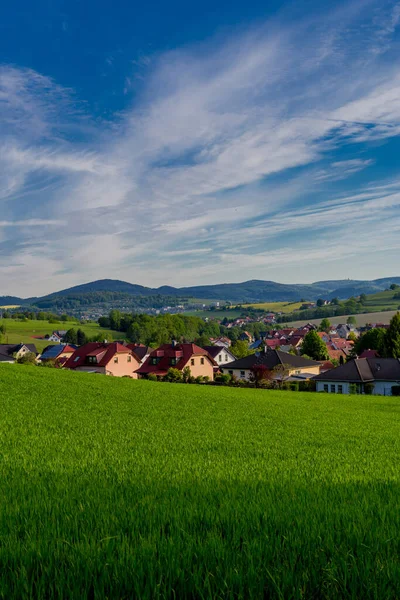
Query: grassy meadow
[278, 307]
[26, 332]
[113, 488]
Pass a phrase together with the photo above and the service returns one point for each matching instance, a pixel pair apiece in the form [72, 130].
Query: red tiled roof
[182, 353]
[369, 354]
[104, 352]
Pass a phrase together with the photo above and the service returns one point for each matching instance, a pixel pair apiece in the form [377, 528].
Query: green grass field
[26, 331]
[382, 300]
[283, 307]
[132, 489]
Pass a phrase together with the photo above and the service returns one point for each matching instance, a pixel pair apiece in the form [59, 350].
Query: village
[327, 358]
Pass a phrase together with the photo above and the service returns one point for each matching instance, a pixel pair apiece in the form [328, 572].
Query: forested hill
[248, 291]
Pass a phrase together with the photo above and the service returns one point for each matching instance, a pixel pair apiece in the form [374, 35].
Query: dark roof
[51, 352]
[215, 350]
[364, 370]
[180, 352]
[140, 350]
[271, 359]
[10, 349]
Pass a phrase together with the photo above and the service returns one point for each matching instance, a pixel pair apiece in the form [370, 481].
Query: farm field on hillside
[362, 319]
[283, 307]
[26, 331]
[113, 488]
[382, 300]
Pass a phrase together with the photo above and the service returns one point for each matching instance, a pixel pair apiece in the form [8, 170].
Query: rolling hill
[248, 291]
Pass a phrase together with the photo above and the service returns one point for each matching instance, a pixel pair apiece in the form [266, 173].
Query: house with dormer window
[178, 356]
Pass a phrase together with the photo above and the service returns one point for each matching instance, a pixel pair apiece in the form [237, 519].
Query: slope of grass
[382, 301]
[133, 489]
[361, 319]
[28, 331]
[282, 307]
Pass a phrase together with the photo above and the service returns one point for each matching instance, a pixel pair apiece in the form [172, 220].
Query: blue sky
[179, 143]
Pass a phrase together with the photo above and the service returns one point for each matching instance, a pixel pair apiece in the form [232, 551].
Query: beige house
[244, 368]
[106, 358]
[179, 356]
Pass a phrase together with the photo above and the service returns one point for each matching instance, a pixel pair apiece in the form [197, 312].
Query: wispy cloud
[231, 148]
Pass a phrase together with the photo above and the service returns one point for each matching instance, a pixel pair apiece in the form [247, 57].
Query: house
[11, 352]
[343, 331]
[57, 336]
[369, 354]
[244, 368]
[220, 354]
[60, 353]
[106, 358]
[221, 341]
[245, 336]
[178, 356]
[141, 351]
[382, 373]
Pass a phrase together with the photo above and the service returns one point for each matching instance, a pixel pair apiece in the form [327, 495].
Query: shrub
[152, 377]
[353, 388]
[369, 388]
[174, 376]
[396, 390]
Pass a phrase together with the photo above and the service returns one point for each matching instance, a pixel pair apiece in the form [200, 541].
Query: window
[129, 358]
[202, 361]
[226, 358]
[230, 372]
[297, 372]
[76, 359]
[242, 374]
[154, 360]
[115, 359]
[333, 388]
[172, 361]
[219, 358]
[326, 388]
[340, 389]
[192, 361]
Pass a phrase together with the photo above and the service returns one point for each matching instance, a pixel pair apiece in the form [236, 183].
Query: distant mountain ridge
[248, 291]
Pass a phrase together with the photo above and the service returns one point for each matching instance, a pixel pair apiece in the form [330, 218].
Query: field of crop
[382, 300]
[283, 307]
[132, 489]
[27, 331]
[361, 319]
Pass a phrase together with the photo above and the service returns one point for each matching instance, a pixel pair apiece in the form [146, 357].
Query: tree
[371, 340]
[240, 349]
[314, 347]
[392, 338]
[320, 302]
[259, 375]
[202, 341]
[352, 336]
[81, 337]
[71, 337]
[280, 372]
[363, 298]
[394, 286]
[351, 320]
[27, 359]
[325, 325]
[335, 301]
